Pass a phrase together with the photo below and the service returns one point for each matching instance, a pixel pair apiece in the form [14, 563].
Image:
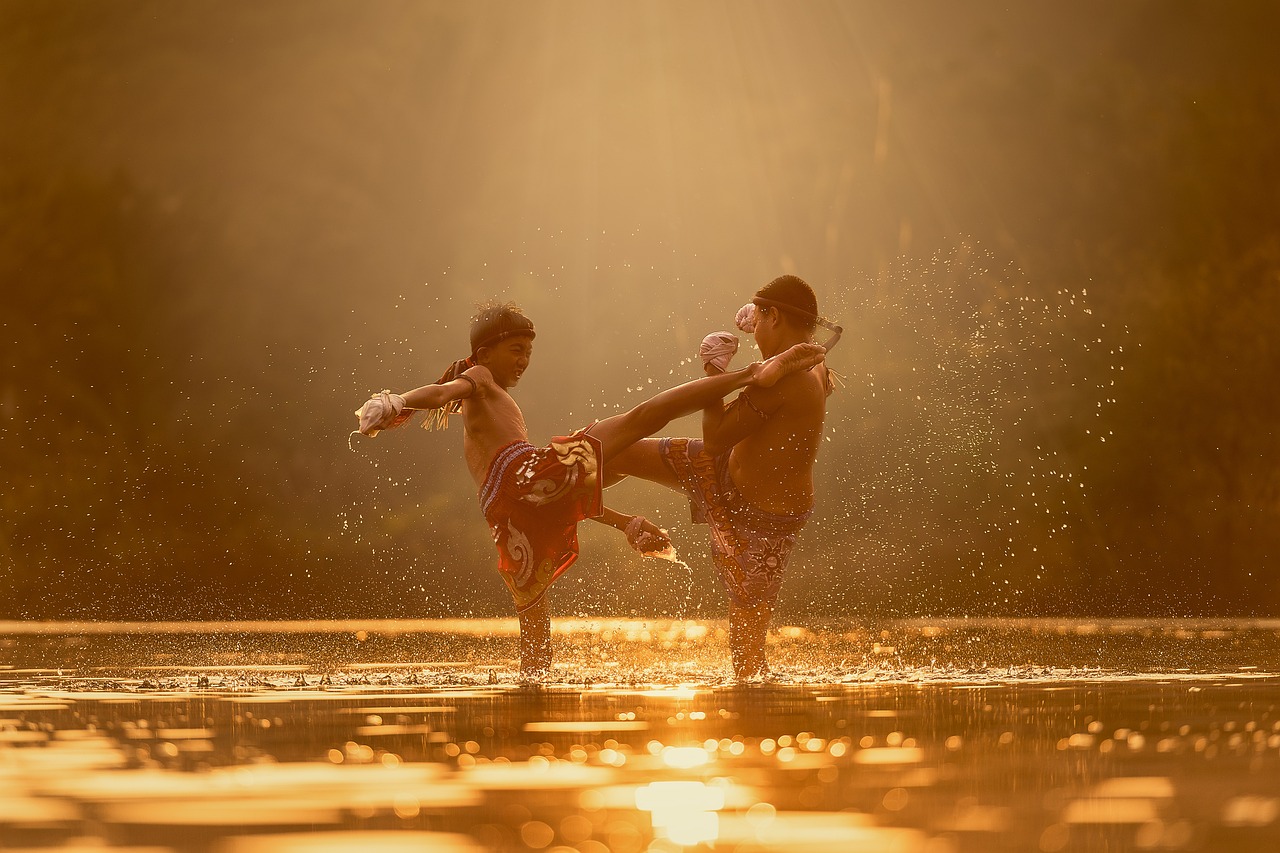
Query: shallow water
[924, 735]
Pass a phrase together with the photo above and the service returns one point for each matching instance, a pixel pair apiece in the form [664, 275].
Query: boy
[750, 478]
[532, 497]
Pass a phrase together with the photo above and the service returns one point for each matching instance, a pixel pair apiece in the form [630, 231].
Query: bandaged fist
[383, 410]
[717, 350]
[646, 537]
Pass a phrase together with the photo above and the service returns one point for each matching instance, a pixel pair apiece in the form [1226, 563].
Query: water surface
[923, 735]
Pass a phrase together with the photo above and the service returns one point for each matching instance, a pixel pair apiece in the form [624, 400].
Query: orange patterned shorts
[533, 499]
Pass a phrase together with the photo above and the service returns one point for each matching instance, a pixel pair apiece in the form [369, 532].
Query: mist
[1049, 230]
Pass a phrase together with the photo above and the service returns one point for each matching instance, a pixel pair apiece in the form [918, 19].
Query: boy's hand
[382, 411]
[646, 537]
[717, 351]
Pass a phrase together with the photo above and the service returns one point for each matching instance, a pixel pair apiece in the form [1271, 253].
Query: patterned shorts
[533, 499]
[750, 547]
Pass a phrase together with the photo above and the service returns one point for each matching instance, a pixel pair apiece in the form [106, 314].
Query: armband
[743, 398]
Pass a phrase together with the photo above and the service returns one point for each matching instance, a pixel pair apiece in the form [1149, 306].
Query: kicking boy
[534, 497]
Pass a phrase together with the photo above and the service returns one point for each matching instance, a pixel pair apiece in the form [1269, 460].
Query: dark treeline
[1076, 228]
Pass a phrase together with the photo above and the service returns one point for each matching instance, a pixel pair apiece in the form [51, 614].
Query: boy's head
[494, 322]
[502, 340]
[794, 299]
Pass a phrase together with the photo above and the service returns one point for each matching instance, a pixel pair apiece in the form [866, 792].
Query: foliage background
[1052, 230]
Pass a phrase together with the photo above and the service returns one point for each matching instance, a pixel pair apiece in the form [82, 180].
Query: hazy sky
[347, 174]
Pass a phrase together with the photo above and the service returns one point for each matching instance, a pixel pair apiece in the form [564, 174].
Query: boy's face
[508, 359]
[768, 321]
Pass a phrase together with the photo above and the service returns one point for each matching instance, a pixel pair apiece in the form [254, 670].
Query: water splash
[668, 553]
[962, 446]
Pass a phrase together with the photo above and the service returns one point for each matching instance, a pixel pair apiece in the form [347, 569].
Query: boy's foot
[533, 677]
[798, 357]
[749, 675]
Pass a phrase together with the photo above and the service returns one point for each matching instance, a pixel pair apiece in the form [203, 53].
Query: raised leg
[644, 460]
[619, 432]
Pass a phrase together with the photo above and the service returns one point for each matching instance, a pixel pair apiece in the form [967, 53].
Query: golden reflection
[1110, 810]
[647, 766]
[536, 773]
[681, 692]
[1252, 811]
[587, 726]
[684, 757]
[881, 755]
[819, 832]
[345, 842]
[684, 812]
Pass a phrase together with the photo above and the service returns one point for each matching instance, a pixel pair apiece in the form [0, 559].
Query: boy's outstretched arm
[387, 411]
[435, 396]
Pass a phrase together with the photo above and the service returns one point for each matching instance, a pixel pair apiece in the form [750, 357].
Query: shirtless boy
[750, 478]
[534, 497]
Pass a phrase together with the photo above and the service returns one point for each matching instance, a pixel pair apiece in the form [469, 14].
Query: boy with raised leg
[533, 497]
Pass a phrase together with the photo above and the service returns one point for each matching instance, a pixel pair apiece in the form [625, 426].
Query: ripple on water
[966, 736]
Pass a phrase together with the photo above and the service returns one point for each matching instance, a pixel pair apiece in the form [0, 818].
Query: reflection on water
[914, 736]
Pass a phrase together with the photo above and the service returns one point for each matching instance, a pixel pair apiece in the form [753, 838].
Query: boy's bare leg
[619, 432]
[535, 641]
[644, 460]
[748, 628]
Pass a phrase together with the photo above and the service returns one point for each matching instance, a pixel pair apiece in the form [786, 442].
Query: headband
[773, 303]
[498, 329]
[746, 319]
[807, 316]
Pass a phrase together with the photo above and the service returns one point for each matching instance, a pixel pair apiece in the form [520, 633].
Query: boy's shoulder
[802, 389]
[486, 386]
[480, 375]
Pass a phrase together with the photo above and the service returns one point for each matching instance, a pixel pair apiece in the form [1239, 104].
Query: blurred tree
[170, 442]
[113, 504]
[1198, 475]
[89, 329]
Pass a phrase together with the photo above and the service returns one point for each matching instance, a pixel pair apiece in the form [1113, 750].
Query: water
[910, 735]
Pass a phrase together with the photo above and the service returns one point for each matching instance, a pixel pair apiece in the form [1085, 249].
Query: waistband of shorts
[757, 520]
[502, 460]
[760, 521]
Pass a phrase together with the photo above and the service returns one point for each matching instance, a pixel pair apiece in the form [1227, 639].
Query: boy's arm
[726, 424]
[388, 411]
[434, 396]
[645, 536]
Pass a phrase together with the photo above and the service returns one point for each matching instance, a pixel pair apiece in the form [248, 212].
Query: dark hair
[794, 297]
[496, 321]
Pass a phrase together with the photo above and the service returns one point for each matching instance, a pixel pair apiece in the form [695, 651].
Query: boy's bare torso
[491, 420]
[772, 467]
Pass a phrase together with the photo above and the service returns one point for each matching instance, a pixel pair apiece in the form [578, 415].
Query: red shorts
[533, 499]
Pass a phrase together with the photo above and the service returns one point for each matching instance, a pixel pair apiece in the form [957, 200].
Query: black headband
[773, 303]
[807, 316]
[499, 329]
[502, 336]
